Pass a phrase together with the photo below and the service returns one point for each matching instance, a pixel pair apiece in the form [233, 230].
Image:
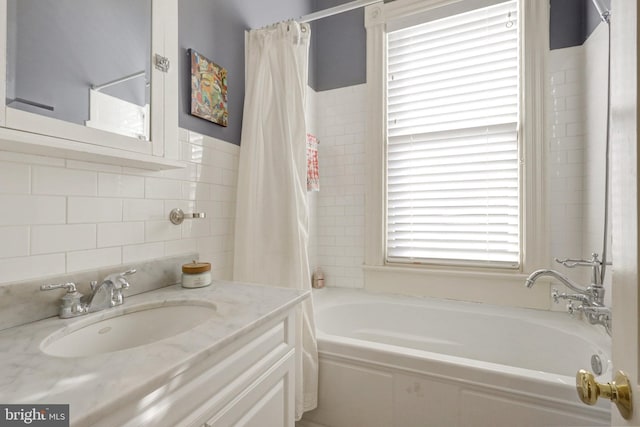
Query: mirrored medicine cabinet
[90, 79]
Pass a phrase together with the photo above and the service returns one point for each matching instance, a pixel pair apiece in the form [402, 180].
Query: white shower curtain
[271, 233]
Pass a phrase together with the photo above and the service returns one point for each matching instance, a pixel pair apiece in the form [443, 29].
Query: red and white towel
[313, 173]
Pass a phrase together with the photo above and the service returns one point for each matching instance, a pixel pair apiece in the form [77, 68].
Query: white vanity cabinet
[234, 367]
[32, 126]
[249, 382]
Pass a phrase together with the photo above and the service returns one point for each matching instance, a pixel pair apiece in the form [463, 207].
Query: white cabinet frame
[31, 133]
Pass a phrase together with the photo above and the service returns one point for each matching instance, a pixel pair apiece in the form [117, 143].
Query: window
[452, 140]
[454, 143]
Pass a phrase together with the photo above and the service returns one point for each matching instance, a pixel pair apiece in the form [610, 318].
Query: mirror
[82, 61]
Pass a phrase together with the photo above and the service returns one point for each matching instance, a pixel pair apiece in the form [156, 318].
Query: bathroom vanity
[215, 356]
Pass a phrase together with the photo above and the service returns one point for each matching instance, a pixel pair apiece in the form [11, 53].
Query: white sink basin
[142, 326]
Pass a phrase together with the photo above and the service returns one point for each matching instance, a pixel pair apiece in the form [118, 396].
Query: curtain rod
[336, 10]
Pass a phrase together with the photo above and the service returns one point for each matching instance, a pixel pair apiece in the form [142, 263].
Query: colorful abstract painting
[208, 90]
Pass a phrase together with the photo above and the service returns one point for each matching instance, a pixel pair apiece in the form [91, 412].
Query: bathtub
[389, 360]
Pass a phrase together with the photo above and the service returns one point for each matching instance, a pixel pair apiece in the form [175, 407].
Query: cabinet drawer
[226, 380]
[269, 402]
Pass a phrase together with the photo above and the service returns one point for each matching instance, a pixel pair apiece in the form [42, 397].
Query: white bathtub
[401, 361]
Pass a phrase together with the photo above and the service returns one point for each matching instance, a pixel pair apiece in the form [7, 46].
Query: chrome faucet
[556, 275]
[591, 298]
[104, 295]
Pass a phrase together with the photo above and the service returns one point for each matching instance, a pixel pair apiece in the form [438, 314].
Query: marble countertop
[91, 385]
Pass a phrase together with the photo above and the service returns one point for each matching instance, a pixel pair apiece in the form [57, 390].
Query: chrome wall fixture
[176, 216]
[590, 298]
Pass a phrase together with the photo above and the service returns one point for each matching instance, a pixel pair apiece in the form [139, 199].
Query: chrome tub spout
[558, 276]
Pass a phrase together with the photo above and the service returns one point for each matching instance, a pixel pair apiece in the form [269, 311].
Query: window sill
[500, 288]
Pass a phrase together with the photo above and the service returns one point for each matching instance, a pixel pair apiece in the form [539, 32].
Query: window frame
[534, 33]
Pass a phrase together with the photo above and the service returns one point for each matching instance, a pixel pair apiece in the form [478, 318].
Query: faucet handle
[121, 282]
[118, 279]
[593, 262]
[572, 308]
[71, 304]
[570, 263]
[70, 287]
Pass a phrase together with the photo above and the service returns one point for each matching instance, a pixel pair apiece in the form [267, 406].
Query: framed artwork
[208, 90]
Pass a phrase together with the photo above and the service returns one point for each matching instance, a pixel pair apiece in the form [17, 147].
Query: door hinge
[162, 63]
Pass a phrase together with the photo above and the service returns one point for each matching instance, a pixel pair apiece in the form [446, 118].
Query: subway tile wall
[339, 215]
[595, 114]
[565, 153]
[60, 216]
[311, 115]
[576, 144]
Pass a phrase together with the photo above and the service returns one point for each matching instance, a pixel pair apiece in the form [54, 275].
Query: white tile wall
[117, 185]
[340, 117]
[312, 196]
[62, 238]
[67, 182]
[565, 145]
[23, 209]
[20, 238]
[29, 267]
[62, 216]
[577, 131]
[595, 107]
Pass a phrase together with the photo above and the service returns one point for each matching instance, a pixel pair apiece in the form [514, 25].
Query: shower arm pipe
[336, 10]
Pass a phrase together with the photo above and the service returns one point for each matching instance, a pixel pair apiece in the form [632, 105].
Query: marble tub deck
[94, 385]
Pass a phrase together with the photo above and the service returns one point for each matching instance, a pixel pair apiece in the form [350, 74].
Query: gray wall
[339, 42]
[566, 23]
[592, 17]
[339, 48]
[61, 47]
[215, 28]
[572, 21]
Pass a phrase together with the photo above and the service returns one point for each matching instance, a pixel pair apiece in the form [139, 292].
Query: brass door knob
[618, 391]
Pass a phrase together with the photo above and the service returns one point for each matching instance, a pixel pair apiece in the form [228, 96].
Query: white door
[624, 143]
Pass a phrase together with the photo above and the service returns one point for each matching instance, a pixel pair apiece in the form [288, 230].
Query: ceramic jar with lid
[196, 274]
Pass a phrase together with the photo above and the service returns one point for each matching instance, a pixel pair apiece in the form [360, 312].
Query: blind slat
[452, 140]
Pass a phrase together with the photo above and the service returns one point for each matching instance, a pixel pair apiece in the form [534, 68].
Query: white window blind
[452, 141]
